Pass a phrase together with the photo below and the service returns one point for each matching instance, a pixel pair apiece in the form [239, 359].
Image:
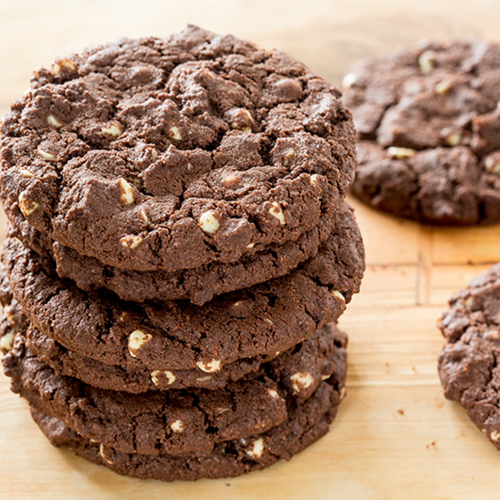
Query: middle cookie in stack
[179, 249]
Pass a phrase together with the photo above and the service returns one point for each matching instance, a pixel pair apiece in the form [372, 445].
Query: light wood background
[396, 437]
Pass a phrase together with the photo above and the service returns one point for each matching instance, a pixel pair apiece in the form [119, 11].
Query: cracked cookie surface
[174, 153]
[428, 128]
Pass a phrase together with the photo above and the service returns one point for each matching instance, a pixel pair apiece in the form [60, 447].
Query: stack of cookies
[179, 251]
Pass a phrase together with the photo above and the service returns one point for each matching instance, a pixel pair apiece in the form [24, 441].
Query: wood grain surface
[395, 437]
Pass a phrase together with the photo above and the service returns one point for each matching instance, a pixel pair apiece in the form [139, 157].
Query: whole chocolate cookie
[257, 321]
[428, 127]
[202, 284]
[314, 357]
[175, 421]
[173, 153]
[468, 364]
[305, 424]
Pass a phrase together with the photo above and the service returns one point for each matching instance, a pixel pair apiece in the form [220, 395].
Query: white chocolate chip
[342, 393]
[210, 367]
[26, 173]
[175, 133]
[154, 153]
[144, 216]
[469, 302]
[137, 340]
[63, 63]
[277, 212]
[338, 295]
[46, 155]
[10, 317]
[288, 156]
[203, 379]
[177, 426]
[103, 456]
[492, 165]
[453, 139]
[257, 449]
[443, 87]
[167, 374]
[495, 435]
[325, 377]
[114, 130]
[250, 245]
[349, 80]
[131, 241]
[7, 342]
[27, 206]
[231, 180]
[220, 411]
[400, 153]
[242, 119]
[314, 180]
[274, 394]
[269, 320]
[426, 61]
[54, 121]
[301, 381]
[127, 192]
[209, 221]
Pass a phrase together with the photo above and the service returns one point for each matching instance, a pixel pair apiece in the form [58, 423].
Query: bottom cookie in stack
[469, 363]
[191, 433]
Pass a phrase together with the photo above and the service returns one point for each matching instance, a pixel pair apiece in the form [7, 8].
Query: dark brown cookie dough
[257, 321]
[468, 364]
[175, 421]
[428, 127]
[173, 153]
[304, 425]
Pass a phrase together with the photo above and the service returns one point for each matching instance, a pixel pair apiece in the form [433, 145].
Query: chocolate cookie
[429, 132]
[173, 153]
[313, 356]
[258, 321]
[202, 284]
[305, 424]
[468, 364]
[175, 421]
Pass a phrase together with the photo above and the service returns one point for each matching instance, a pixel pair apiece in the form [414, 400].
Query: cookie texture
[257, 321]
[315, 356]
[178, 421]
[428, 128]
[468, 364]
[305, 424]
[202, 284]
[173, 153]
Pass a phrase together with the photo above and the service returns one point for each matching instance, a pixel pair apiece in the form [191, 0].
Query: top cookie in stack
[179, 244]
[179, 168]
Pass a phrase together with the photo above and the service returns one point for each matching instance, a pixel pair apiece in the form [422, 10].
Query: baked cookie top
[428, 126]
[171, 153]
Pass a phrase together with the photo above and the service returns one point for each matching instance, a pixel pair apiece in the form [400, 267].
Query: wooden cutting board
[395, 436]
